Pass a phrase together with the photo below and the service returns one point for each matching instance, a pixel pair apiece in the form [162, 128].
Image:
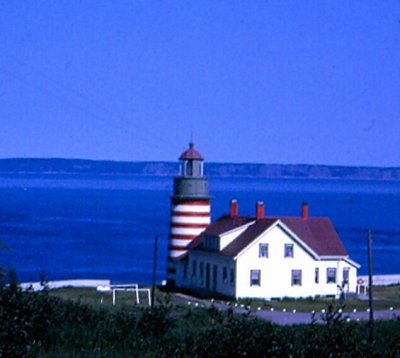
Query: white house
[268, 257]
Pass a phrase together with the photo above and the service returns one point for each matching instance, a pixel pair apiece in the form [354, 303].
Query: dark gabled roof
[227, 223]
[224, 224]
[246, 237]
[317, 233]
[191, 153]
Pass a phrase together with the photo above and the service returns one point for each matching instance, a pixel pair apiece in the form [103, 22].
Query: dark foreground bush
[35, 324]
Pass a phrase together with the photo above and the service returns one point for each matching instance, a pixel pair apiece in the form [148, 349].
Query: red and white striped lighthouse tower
[190, 209]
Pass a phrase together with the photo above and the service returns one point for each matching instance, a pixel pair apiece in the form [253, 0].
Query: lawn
[73, 322]
[385, 297]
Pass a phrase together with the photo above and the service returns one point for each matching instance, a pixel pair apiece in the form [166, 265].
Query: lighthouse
[190, 209]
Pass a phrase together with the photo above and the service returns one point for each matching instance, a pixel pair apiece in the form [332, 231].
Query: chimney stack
[234, 208]
[304, 211]
[260, 210]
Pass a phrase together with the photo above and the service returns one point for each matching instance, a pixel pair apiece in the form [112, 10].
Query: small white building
[268, 257]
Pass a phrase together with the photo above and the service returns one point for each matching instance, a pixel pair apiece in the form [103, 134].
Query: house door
[208, 276]
[215, 277]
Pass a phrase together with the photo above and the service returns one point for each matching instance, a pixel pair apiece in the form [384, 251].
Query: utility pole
[370, 283]
[153, 287]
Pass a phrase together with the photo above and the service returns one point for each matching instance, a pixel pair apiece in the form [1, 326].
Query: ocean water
[104, 226]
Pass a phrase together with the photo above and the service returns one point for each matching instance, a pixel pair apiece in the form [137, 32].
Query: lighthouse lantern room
[190, 209]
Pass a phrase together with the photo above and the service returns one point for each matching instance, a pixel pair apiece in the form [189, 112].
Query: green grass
[72, 322]
[389, 293]
[91, 297]
[385, 297]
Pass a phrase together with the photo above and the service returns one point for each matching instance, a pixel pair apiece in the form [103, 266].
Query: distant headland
[232, 170]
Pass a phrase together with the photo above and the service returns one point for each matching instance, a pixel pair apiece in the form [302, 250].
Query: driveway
[290, 317]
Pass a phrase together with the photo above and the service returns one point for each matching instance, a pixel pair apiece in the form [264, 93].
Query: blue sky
[252, 81]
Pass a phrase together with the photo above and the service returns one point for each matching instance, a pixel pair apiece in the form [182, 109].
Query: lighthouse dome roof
[191, 153]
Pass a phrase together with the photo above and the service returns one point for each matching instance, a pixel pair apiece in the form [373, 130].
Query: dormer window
[211, 243]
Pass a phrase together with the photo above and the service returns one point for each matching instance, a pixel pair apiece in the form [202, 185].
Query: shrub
[37, 324]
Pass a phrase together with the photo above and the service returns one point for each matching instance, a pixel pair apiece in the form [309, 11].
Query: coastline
[381, 280]
[37, 286]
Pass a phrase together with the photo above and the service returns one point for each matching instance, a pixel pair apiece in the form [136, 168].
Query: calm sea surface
[103, 226]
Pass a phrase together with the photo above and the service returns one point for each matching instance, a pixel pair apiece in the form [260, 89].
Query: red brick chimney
[304, 211]
[259, 210]
[234, 208]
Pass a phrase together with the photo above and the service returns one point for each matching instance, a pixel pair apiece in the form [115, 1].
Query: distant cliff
[211, 169]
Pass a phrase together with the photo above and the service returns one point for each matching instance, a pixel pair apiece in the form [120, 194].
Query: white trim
[333, 257]
[343, 258]
[351, 262]
[290, 233]
[229, 236]
[298, 240]
[242, 227]
[176, 253]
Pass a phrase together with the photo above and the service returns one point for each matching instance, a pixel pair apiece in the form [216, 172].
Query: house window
[263, 250]
[224, 274]
[208, 275]
[288, 250]
[255, 277]
[201, 269]
[346, 275]
[316, 276]
[215, 277]
[296, 277]
[232, 276]
[194, 268]
[185, 269]
[330, 275]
